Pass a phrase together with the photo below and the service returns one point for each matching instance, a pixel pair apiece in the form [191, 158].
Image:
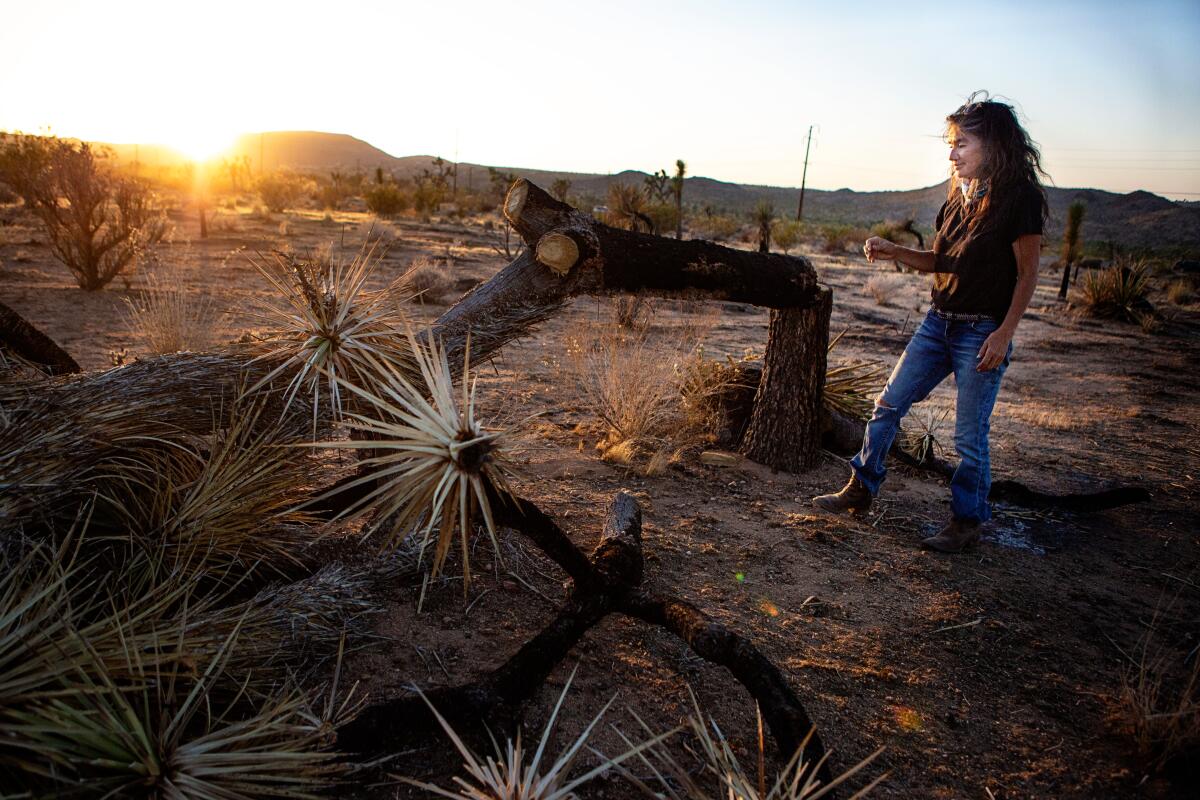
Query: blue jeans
[938, 348]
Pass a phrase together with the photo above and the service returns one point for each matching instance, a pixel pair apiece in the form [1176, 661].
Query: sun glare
[201, 145]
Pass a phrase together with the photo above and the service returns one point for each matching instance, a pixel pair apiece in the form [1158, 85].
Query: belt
[960, 316]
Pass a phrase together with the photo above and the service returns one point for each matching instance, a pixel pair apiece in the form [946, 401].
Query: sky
[1110, 90]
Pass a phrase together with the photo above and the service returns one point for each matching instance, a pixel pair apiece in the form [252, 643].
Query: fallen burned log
[606, 582]
[29, 344]
[578, 256]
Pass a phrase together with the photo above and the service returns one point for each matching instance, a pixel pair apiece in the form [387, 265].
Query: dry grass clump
[1181, 292]
[707, 391]
[632, 386]
[434, 464]
[170, 318]
[1117, 292]
[328, 327]
[427, 280]
[882, 286]
[1160, 703]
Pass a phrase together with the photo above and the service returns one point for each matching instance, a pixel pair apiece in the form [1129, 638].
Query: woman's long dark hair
[1011, 162]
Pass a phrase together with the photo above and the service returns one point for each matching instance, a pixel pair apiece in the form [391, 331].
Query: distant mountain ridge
[1137, 219]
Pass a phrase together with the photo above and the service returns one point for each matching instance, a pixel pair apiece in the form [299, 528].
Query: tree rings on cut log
[557, 251]
[514, 201]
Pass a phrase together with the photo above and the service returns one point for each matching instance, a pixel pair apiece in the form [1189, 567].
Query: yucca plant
[329, 329]
[430, 458]
[851, 387]
[723, 777]
[507, 776]
[1117, 292]
[160, 735]
[220, 510]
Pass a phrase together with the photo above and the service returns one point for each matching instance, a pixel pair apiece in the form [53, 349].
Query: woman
[984, 263]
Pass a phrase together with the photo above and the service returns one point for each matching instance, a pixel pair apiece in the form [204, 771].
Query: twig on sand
[970, 624]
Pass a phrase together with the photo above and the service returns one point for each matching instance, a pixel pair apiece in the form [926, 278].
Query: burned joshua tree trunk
[593, 258]
[785, 428]
[21, 339]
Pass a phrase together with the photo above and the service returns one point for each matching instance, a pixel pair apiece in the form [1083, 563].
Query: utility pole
[804, 175]
[262, 165]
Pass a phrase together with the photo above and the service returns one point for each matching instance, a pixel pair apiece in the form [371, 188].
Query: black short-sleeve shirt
[982, 278]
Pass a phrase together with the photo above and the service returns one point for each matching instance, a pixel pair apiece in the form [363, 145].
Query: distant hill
[1138, 219]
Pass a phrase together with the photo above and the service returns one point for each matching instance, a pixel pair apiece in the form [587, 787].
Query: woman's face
[966, 155]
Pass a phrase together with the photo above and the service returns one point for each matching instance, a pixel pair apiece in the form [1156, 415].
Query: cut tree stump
[785, 427]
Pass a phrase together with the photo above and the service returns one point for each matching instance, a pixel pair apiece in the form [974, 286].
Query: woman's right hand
[877, 247]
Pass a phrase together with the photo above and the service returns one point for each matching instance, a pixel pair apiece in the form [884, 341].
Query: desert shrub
[280, 190]
[386, 200]
[428, 280]
[1180, 292]
[559, 188]
[664, 216]
[632, 311]
[1159, 706]
[881, 287]
[716, 227]
[1117, 292]
[221, 222]
[786, 234]
[632, 387]
[837, 238]
[97, 222]
[170, 318]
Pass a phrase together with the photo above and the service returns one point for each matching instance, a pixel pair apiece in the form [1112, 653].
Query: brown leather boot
[956, 536]
[854, 498]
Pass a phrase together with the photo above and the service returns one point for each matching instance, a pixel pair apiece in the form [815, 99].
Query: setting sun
[198, 144]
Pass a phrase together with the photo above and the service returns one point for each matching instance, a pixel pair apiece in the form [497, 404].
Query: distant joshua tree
[1070, 251]
[559, 188]
[763, 216]
[677, 188]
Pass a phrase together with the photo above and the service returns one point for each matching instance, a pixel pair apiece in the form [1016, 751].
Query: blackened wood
[619, 553]
[614, 260]
[786, 716]
[393, 725]
[785, 428]
[24, 340]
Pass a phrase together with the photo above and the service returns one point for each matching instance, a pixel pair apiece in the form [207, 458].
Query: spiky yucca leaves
[851, 386]
[223, 509]
[726, 779]
[160, 694]
[330, 330]
[432, 460]
[1117, 292]
[506, 776]
[160, 735]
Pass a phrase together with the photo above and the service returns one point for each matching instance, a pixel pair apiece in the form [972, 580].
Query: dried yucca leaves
[431, 459]
[507, 776]
[722, 776]
[329, 329]
[851, 387]
[222, 506]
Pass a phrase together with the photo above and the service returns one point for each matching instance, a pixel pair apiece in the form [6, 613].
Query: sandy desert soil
[994, 674]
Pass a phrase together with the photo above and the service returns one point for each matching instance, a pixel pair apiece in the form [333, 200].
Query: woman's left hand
[994, 349]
